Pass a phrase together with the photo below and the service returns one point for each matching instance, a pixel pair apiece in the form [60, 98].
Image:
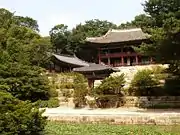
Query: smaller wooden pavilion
[95, 72]
[65, 63]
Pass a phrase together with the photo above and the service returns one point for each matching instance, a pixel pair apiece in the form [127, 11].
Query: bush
[159, 72]
[172, 86]
[80, 90]
[109, 101]
[52, 92]
[110, 85]
[67, 93]
[143, 83]
[66, 85]
[109, 92]
[19, 117]
[51, 103]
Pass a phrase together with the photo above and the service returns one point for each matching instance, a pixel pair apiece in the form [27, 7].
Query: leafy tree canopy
[22, 52]
[70, 41]
[162, 22]
[19, 37]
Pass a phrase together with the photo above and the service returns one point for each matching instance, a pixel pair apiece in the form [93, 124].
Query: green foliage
[159, 73]
[80, 90]
[56, 128]
[39, 50]
[20, 42]
[142, 83]
[24, 82]
[51, 103]
[172, 85]
[73, 41]
[109, 101]
[111, 85]
[164, 22]
[108, 94]
[67, 85]
[60, 38]
[67, 93]
[52, 92]
[19, 118]
[27, 22]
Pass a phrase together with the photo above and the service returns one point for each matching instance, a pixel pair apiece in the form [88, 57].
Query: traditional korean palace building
[115, 48]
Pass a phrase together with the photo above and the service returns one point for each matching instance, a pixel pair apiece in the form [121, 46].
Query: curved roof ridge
[126, 30]
[120, 35]
[71, 60]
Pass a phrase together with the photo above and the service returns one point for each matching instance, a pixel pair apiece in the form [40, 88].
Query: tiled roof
[71, 60]
[114, 36]
[94, 67]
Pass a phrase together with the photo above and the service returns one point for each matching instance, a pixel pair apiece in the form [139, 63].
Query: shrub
[51, 103]
[52, 92]
[91, 103]
[66, 85]
[109, 92]
[159, 72]
[111, 85]
[19, 117]
[109, 101]
[172, 86]
[80, 90]
[67, 93]
[142, 83]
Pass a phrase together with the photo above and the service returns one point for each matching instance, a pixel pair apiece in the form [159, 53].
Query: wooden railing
[133, 64]
[117, 54]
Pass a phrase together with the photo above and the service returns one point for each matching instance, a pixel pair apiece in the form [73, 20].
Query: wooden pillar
[121, 49]
[109, 61]
[91, 83]
[122, 60]
[151, 60]
[128, 61]
[137, 62]
[99, 55]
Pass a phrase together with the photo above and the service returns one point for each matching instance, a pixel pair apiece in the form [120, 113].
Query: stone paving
[114, 116]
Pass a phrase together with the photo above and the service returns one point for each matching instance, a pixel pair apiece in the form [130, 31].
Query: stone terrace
[130, 71]
[114, 116]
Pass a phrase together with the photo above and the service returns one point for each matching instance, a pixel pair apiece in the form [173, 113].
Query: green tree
[19, 37]
[39, 51]
[71, 42]
[22, 51]
[91, 28]
[165, 30]
[80, 90]
[19, 117]
[27, 22]
[24, 82]
[60, 39]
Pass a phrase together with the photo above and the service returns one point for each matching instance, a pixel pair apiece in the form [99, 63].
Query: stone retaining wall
[119, 119]
[161, 102]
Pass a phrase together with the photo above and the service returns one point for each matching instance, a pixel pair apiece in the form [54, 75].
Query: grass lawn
[56, 128]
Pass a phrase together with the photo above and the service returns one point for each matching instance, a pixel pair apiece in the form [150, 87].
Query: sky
[49, 13]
